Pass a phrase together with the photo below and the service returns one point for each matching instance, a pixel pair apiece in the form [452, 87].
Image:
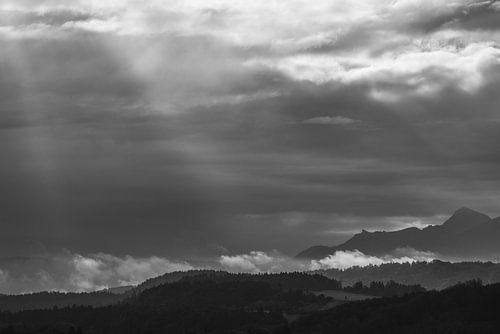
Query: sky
[183, 130]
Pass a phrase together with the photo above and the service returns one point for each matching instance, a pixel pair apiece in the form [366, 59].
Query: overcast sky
[185, 129]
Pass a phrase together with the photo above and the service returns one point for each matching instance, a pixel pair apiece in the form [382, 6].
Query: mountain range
[467, 234]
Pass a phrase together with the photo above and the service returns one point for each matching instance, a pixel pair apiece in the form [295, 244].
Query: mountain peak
[465, 210]
[469, 213]
[465, 218]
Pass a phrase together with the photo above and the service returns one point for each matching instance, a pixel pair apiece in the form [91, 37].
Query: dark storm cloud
[471, 15]
[53, 18]
[147, 129]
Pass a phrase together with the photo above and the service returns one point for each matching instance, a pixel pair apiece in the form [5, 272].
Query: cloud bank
[100, 271]
[83, 273]
[330, 120]
[75, 272]
[258, 261]
[355, 258]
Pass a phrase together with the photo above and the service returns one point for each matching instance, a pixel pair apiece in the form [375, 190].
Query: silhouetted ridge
[431, 275]
[227, 303]
[464, 219]
[466, 308]
[467, 234]
[210, 302]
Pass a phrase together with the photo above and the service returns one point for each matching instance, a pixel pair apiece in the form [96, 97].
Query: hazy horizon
[66, 271]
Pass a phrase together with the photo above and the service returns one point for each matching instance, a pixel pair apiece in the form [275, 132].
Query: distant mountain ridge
[466, 234]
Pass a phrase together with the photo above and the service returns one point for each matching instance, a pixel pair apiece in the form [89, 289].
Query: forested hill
[208, 303]
[48, 300]
[431, 275]
[257, 304]
[465, 308]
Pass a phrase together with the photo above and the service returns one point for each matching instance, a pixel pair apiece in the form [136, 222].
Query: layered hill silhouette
[218, 302]
[434, 275]
[467, 234]
[202, 302]
[465, 308]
